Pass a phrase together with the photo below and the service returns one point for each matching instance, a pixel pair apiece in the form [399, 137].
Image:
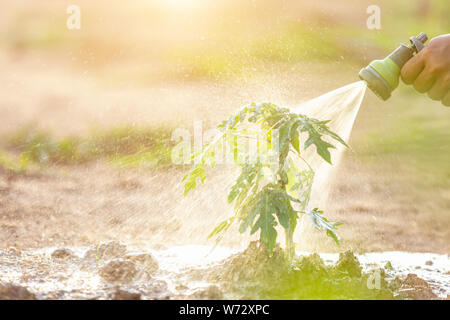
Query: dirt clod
[118, 270]
[112, 249]
[259, 264]
[348, 263]
[145, 260]
[62, 254]
[120, 294]
[10, 291]
[210, 293]
[429, 263]
[416, 288]
[14, 251]
[106, 251]
[312, 264]
[395, 284]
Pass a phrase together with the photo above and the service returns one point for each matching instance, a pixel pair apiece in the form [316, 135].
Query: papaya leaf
[223, 226]
[296, 141]
[321, 223]
[244, 181]
[321, 146]
[266, 224]
[248, 219]
[192, 177]
[326, 131]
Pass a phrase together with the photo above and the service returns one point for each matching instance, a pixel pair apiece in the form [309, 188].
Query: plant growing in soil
[272, 188]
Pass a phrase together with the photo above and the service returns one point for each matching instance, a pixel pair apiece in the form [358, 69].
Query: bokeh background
[86, 116]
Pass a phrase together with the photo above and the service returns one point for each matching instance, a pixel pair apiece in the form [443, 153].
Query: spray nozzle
[382, 75]
[417, 43]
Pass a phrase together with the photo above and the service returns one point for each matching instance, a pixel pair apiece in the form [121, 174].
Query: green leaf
[248, 219]
[244, 181]
[316, 129]
[296, 141]
[322, 223]
[334, 236]
[223, 226]
[321, 146]
[266, 224]
[268, 202]
[325, 130]
[283, 212]
[246, 186]
[191, 178]
[189, 186]
[302, 185]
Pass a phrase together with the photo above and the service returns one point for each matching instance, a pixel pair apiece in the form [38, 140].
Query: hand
[429, 70]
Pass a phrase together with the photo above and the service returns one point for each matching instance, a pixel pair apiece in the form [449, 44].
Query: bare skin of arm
[429, 70]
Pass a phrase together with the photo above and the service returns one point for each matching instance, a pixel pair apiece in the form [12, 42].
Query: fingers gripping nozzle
[382, 76]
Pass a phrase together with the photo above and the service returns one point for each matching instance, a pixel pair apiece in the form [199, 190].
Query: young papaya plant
[272, 188]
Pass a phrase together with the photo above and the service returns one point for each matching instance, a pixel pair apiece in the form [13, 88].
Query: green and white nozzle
[382, 76]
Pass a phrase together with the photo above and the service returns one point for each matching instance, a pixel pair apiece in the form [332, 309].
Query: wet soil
[113, 270]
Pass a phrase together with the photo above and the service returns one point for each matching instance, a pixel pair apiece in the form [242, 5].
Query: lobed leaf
[320, 222]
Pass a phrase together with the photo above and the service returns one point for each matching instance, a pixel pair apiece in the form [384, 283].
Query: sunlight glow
[181, 4]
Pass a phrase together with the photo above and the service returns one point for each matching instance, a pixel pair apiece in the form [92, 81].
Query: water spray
[382, 75]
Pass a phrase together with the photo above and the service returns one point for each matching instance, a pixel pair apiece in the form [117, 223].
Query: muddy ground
[115, 271]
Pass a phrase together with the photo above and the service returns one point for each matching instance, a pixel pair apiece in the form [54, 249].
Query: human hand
[429, 70]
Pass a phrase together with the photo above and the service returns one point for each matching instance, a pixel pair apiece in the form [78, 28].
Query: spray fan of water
[341, 106]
